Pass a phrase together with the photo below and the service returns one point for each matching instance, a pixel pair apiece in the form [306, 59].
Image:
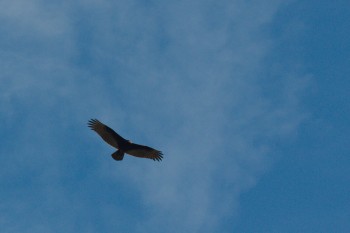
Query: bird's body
[123, 145]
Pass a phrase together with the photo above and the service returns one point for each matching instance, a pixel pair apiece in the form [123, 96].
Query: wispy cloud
[182, 76]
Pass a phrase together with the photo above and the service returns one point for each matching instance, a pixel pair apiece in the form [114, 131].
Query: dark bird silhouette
[123, 145]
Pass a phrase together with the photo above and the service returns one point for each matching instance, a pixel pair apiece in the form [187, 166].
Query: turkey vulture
[123, 145]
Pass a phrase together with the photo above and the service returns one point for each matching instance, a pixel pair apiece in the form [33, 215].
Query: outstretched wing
[106, 133]
[144, 152]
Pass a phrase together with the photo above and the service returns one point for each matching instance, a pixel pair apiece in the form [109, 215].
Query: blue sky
[248, 100]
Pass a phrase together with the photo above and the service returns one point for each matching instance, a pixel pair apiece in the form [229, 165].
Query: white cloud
[183, 77]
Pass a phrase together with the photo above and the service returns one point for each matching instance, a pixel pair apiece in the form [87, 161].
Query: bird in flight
[123, 145]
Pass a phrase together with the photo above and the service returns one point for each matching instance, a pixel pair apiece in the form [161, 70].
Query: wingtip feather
[92, 122]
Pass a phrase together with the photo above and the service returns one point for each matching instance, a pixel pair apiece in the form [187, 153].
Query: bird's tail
[118, 155]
